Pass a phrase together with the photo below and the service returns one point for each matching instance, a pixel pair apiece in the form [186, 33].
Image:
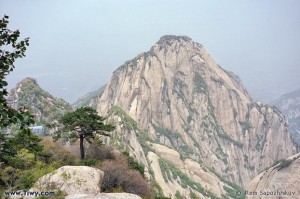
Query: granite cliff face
[184, 116]
[289, 104]
[282, 180]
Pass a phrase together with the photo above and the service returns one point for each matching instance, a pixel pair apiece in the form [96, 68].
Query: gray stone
[72, 180]
[103, 196]
[282, 179]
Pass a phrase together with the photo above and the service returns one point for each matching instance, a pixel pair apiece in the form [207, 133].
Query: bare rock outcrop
[72, 180]
[279, 181]
[103, 196]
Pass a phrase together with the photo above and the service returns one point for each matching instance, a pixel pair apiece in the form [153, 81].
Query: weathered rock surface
[177, 96]
[72, 180]
[103, 196]
[282, 179]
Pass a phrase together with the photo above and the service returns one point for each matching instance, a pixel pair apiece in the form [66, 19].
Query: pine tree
[83, 123]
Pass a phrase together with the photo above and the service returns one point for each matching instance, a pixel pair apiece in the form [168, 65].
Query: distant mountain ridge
[39, 102]
[191, 123]
[289, 104]
[89, 99]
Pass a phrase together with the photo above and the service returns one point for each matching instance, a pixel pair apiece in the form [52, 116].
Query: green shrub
[161, 197]
[285, 163]
[90, 162]
[282, 163]
[100, 152]
[194, 196]
[178, 195]
[199, 82]
[185, 180]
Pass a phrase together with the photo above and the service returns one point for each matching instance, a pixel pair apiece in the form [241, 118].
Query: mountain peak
[167, 40]
[28, 80]
[181, 98]
[173, 37]
[29, 94]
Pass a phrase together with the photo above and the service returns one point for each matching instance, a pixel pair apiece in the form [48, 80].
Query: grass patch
[174, 137]
[233, 190]
[169, 169]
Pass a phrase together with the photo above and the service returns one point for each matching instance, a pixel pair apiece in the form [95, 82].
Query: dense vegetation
[38, 101]
[122, 174]
[17, 153]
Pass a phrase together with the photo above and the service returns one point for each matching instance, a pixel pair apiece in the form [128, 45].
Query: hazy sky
[76, 45]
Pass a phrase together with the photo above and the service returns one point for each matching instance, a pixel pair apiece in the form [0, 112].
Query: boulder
[103, 196]
[72, 180]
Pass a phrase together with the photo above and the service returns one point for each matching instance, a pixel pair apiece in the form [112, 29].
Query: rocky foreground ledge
[282, 180]
[104, 196]
[78, 182]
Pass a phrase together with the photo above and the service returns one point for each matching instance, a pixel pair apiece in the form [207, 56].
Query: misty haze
[150, 99]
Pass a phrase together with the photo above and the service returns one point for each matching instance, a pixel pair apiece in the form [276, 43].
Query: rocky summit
[30, 95]
[190, 122]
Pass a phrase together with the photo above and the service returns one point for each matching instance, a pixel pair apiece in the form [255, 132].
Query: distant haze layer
[76, 45]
